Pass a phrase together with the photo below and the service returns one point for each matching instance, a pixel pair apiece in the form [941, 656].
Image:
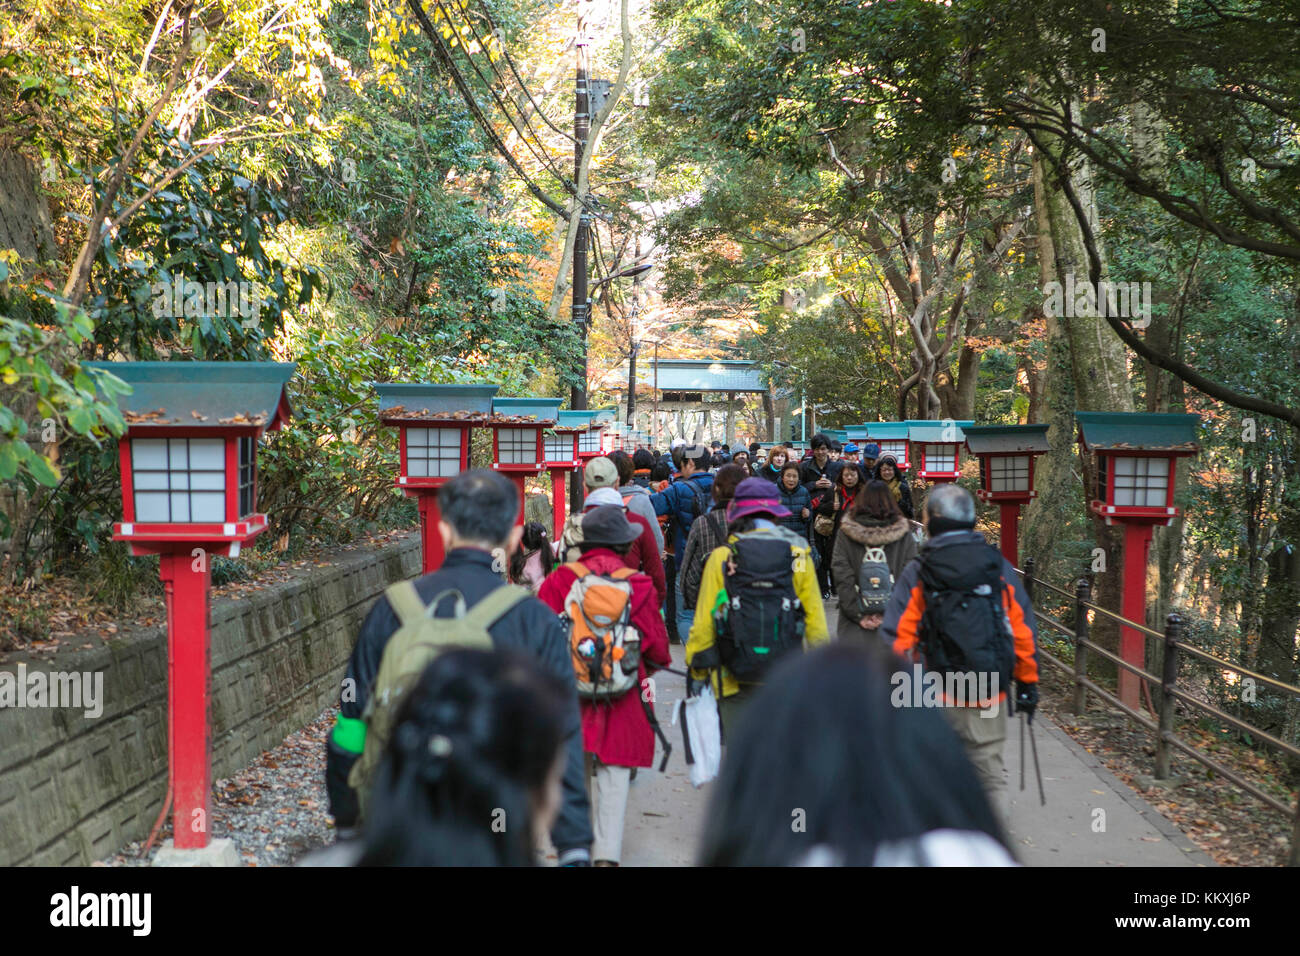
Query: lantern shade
[520, 446]
[433, 423]
[189, 455]
[562, 447]
[1006, 455]
[936, 448]
[1136, 462]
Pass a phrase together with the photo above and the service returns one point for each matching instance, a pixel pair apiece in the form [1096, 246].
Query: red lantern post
[189, 492]
[1136, 462]
[434, 425]
[936, 447]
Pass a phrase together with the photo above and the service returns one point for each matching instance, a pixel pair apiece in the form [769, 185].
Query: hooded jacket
[678, 500]
[856, 535]
[618, 732]
[703, 636]
[901, 627]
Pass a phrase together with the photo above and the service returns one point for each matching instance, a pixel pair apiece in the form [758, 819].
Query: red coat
[618, 732]
[644, 555]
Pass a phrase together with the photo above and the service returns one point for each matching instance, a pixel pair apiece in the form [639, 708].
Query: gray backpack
[875, 582]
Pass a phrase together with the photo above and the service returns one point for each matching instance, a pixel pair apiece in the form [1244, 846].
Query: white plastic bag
[702, 735]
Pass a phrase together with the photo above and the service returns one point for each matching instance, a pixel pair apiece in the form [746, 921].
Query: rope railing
[1167, 683]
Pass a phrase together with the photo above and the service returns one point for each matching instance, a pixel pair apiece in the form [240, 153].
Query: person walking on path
[616, 731]
[959, 608]
[887, 470]
[874, 523]
[829, 508]
[636, 497]
[478, 531]
[795, 499]
[641, 554]
[869, 783]
[761, 589]
[685, 499]
[709, 532]
[777, 458]
[817, 474]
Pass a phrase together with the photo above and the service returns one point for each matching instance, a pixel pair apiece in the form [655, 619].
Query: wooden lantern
[563, 457]
[434, 424]
[1135, 463]
[189, 491]
[1006, 455]
[892, 437]
[519, 427]
[936, 449]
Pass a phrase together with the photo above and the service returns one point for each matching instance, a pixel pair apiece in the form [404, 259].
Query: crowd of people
[486, 715]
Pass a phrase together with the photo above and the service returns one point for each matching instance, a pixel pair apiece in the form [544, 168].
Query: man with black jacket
[478, 530]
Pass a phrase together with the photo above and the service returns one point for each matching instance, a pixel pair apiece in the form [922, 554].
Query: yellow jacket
[711, 583]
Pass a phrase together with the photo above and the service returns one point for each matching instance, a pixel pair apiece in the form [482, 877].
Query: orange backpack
[604, 645]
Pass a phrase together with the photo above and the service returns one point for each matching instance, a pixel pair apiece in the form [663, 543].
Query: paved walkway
[1091, 818]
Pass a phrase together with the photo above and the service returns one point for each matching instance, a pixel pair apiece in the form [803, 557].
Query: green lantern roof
[604, 416]
[985, 439]
[1139, 431]
[419, 401]
[573, 421]
[203, 394]
[934, 431]
[542, 409]
[856, 433]
[886, 430]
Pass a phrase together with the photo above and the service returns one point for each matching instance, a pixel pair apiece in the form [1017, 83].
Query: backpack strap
[578, 568]
[496, 605]
[405, 601]
[622, 574]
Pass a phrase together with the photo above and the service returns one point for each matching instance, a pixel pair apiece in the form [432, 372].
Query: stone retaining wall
[74, 789]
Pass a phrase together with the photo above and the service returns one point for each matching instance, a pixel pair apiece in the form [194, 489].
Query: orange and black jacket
[902, 624]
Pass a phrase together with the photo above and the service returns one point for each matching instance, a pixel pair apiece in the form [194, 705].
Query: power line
[444, 55]
[545, 160]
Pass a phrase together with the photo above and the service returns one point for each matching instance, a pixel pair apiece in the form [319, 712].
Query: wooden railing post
[1029, 579]
[1168, 680]
[1082, 593]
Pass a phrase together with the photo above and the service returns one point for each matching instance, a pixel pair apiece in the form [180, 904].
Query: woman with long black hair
[870, 783]
[471, 776]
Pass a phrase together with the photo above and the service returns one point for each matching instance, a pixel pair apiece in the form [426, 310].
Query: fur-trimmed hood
[875, 535]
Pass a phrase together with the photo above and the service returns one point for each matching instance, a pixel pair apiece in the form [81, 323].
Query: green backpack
[418, 640]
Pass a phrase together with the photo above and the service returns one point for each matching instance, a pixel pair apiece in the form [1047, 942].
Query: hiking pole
[1042, 796]
[1022, 751]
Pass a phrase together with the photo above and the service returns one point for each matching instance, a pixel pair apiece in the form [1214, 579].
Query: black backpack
[875, 581]
[762, 619]
[964, 627]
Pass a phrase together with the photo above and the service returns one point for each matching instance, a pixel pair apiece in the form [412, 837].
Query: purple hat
[756, 496]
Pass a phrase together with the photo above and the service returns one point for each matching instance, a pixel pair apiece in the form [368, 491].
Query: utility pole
[636, 342]
[580, 311]
[655, 396]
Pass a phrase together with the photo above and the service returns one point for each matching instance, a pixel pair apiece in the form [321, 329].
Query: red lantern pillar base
[558, 502]
[187, 581]
[430, 540]
[1132, 644]
[1009, 538]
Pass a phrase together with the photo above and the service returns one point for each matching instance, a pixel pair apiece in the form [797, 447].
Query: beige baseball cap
[600, 473]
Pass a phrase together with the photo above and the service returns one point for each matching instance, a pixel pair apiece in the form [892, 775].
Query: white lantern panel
[589, 441]
[148, 454]
[940, 458]
[1009, 473]
[559, 448]
[433, 452]
[179, 479]
[1141, 482]
[207, 454]
[208, 506]
[151, 506]
[896, 448]
[517, 446]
